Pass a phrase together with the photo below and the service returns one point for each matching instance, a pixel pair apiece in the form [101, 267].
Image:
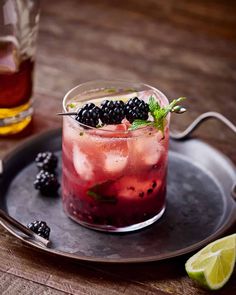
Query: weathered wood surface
[182, 47]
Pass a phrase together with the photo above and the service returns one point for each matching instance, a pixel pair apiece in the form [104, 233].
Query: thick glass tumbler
[114, 178]
[18, 30]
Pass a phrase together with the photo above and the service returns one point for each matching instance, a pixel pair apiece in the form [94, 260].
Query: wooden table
[182, 47]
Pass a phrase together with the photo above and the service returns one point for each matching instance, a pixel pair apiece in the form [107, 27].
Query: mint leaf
[72, 105]
[153, 104]
[160, 114]
[131, 90]
[140, 123]
[159, 119]
[110, 90]
[92, 192]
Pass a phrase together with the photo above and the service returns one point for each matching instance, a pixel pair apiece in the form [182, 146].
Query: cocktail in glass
[114, 178]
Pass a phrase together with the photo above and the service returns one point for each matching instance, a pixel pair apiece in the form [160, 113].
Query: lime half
[212, 266]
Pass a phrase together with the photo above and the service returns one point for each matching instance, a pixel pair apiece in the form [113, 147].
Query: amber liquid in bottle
[16, 81]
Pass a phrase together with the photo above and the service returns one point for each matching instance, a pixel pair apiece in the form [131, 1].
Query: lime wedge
[212, 266]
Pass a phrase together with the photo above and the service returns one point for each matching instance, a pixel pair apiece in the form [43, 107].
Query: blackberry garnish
[112, 112]
[40, 228]
[88, 115]
[46, 161]
[136, 108]
[46, 183]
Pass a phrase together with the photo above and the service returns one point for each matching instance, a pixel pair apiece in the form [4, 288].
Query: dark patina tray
[200, 206]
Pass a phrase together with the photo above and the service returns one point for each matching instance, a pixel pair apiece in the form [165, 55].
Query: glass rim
[87, 127]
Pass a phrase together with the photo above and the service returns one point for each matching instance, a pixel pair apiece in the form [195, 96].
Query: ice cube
[82, 165]
[115, 162]
[152, 158]
[9, 56]
[147, 149]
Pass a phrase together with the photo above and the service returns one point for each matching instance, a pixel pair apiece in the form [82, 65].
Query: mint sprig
[159, 114]
[153, 104]
[140, 123]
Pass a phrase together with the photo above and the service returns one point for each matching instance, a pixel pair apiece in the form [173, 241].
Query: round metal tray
[199, 209]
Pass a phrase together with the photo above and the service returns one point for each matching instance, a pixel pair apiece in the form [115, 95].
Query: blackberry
[136, 108]
[40, 228]
[112, 112]
[46, 161]
[46, 183]
[88, 115]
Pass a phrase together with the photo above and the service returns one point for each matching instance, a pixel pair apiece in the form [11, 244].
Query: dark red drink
[114, 179]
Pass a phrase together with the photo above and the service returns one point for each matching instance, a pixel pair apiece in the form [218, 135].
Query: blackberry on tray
[46, 183]
[136, 108]
[46, 161]
[88, 115]
[112, 112]
[40, 228]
